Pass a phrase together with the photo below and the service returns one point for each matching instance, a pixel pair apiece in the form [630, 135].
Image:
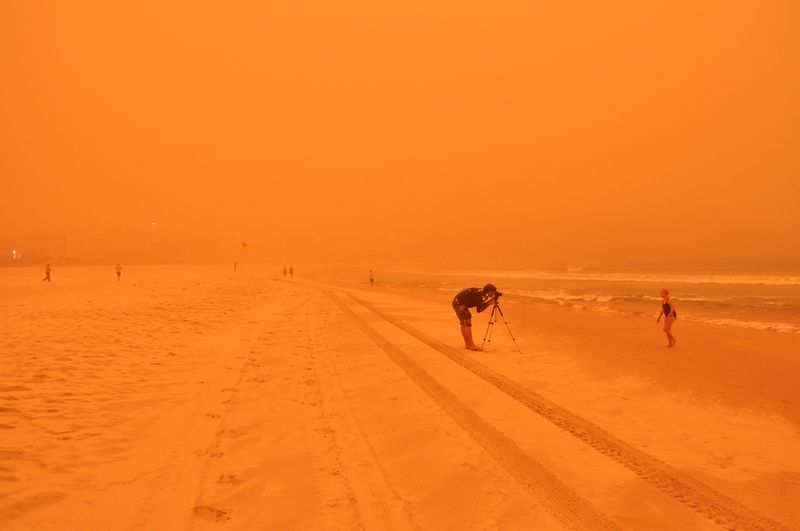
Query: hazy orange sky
[580, 133]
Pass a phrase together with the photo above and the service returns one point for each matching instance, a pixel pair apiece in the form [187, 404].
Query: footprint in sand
[228, 479]
[211, 514]
[9, 388]
[210, 452]
[228, 432]
[37, 500]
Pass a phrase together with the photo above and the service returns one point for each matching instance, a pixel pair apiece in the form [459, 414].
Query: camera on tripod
[495, 315]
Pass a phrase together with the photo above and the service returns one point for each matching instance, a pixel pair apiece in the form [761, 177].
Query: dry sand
[193, 398]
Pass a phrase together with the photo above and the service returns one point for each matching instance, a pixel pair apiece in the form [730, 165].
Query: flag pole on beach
[241, 255]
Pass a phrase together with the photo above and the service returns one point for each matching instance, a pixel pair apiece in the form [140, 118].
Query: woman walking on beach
[669, 313]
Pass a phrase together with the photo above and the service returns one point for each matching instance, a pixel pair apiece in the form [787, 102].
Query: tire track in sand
[691, 492]
[374, 491]
[561, 501]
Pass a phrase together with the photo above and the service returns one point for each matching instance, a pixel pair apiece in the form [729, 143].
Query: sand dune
[191, 398]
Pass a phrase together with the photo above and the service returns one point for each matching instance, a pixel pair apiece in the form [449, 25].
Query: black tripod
[496, 314]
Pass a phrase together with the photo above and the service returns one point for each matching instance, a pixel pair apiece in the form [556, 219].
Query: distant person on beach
[291, 272]
[47, 270]
[284, 271]
[669, 313]
[477, 298]
[371, 278]
[234, 267]
[118, 269]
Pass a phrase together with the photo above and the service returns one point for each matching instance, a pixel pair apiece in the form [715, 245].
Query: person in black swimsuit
[669, 313]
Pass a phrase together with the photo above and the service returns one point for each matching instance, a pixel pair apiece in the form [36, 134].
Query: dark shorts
[462, 312]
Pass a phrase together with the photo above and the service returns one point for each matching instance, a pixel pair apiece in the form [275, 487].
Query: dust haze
[506, 135]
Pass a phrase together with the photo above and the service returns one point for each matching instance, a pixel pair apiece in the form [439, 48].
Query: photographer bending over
[472, 298]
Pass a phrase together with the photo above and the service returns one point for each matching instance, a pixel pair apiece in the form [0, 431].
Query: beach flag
[244, 244]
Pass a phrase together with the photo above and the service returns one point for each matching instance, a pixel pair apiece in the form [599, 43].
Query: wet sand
[193, 398]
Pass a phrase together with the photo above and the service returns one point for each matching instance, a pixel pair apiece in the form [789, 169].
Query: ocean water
[764, 302]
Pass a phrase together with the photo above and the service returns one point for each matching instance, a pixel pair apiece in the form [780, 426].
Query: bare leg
[668, 330]
[466, 332]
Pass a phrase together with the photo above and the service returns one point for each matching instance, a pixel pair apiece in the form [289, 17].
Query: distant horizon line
[432, 267]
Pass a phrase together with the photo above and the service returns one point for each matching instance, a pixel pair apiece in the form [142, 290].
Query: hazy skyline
[508, 135]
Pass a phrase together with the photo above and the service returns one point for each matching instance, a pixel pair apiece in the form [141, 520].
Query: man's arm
[486, 302]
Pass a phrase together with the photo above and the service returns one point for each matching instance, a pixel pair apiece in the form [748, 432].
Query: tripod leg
[508, 328]
[489, 327]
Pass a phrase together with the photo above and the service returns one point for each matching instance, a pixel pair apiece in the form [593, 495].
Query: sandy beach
[193, 398]
[232, 234]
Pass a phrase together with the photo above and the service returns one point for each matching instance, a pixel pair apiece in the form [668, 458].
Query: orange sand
[188, 398]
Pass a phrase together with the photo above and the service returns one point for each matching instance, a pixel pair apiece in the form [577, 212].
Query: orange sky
[581, 134]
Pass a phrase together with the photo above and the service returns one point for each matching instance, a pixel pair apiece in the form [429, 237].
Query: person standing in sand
[291, 272]
[472, 298]
[669, 313]
[284, 271]
[371, 278]
[47, 270]
[118, 270]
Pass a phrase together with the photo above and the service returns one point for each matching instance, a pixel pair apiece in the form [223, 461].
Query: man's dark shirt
[471, 298]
